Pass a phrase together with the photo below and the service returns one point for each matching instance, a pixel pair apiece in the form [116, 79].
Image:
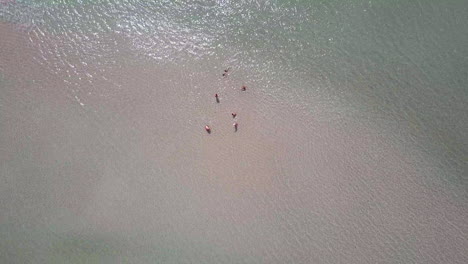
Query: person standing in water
[226, 72]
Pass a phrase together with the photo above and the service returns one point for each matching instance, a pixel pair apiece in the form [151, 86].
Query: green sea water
[397, 61]
[399, 68]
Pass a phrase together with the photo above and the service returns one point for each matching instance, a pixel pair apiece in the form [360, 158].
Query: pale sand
[124, 153]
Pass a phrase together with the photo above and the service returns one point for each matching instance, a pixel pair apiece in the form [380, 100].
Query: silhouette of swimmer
[226, 72]
[217, 98]
[208, 129]
[235, 126]
[243, 88]
[234, 115]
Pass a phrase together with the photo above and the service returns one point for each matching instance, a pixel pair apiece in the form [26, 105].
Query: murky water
[351, 144]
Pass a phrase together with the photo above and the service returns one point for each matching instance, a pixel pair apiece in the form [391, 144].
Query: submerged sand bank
[124, 153]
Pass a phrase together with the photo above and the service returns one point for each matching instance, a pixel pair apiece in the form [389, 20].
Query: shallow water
[351, 145]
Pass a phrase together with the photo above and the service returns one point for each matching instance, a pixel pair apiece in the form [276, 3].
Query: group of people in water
[235, 125]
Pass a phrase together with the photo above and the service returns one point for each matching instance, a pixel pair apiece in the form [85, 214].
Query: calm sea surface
[352, 144]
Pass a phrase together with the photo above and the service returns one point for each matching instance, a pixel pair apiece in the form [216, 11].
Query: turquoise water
[359, 152]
